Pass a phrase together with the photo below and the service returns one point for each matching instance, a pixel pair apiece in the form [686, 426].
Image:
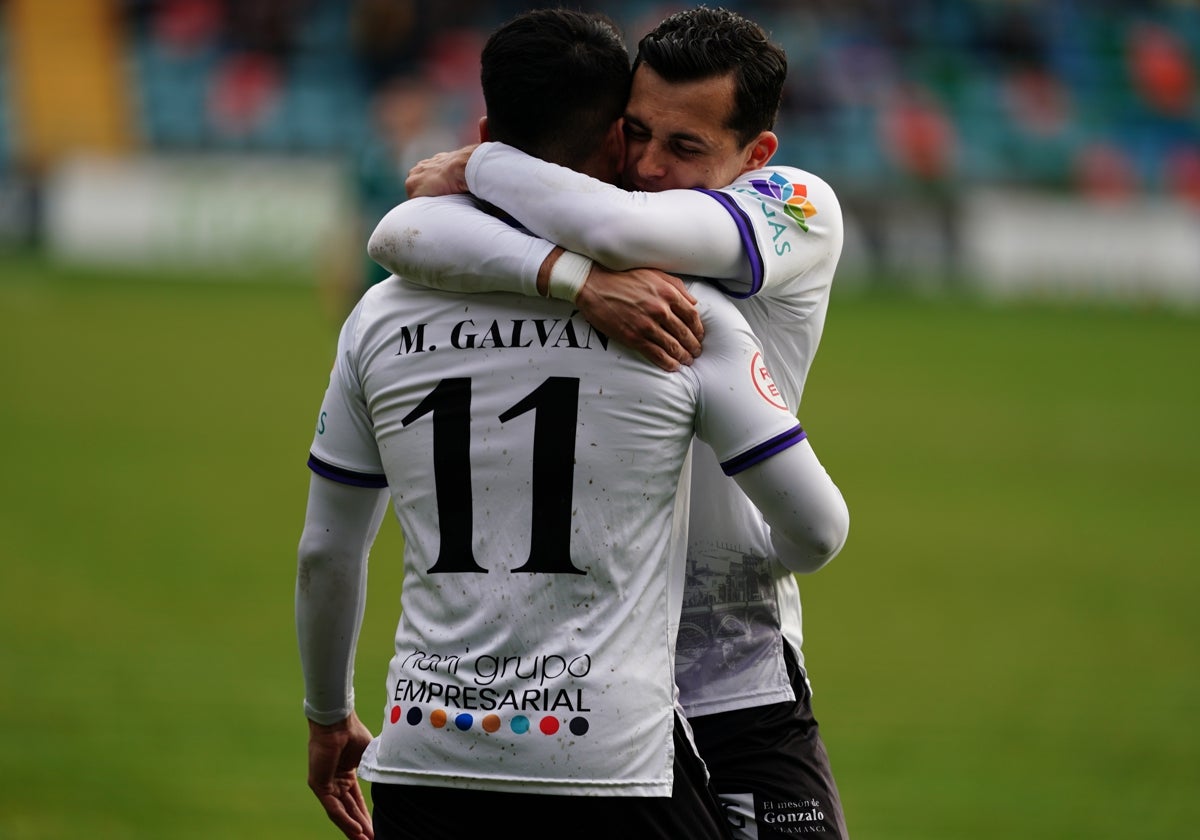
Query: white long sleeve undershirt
[451, 243]
[807, 514]
[680, 231]
[340, 525]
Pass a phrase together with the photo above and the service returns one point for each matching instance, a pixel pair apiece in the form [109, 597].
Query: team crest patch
[764, 383]
[794, 197]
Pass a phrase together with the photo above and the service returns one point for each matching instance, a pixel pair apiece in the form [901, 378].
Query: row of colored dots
[463, 721]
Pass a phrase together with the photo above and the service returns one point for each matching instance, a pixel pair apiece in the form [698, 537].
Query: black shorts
[412, 812]
[770, 768]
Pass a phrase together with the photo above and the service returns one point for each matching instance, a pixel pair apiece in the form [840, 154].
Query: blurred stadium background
[1008, 646]
[1000, 143]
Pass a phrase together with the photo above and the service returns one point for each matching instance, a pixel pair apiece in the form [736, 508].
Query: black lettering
[543, 331]
[515, 339]
[492, 337]
[410, 343]
[568, 333]
[457, 337]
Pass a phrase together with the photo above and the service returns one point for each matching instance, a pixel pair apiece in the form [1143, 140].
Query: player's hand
[646, 310]
[333, 755]
[443, 174]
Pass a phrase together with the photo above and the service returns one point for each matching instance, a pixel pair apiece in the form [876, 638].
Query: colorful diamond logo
[794, 197]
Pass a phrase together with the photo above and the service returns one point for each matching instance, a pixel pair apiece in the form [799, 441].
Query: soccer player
[536, 468]
[706, 88]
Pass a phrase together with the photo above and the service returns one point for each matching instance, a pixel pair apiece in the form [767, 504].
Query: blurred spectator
[921, 142]
[244, 90]
[1182, 168]
[452, 59]
[1165, 121]
[185, 27]
[918, 135]
[1103, 173]
[408, 125]
[1038, 102]
[1161, 70]
[265, 26]
[386, 36]
[405, 113]
[1009, 34]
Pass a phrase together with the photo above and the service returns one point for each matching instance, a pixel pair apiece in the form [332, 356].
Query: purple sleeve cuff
[749, 244]
[344, 476]
[764, 450]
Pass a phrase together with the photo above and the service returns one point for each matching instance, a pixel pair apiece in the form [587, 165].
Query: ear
[483, 130]
[619, 128]
[760, 151]
[614, 144]
[606, 160]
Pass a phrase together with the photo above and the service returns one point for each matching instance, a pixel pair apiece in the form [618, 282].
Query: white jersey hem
[742, 701]
[558, 787]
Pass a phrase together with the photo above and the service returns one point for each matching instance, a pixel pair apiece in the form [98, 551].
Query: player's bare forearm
[646, 310]
[443, 174]
[333, 755]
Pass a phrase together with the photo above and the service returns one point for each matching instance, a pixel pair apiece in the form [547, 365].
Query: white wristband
[568, 275]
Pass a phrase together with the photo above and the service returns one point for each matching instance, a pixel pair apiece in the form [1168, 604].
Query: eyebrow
[674, 136]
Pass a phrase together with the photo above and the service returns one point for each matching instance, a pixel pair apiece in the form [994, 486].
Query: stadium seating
[1027, 90]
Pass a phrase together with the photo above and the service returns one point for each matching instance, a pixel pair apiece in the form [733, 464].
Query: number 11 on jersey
[555, 404]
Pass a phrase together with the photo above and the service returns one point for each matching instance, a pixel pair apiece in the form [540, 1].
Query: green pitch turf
[1007, 647]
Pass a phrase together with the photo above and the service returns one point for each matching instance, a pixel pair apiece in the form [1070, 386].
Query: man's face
[676, 135]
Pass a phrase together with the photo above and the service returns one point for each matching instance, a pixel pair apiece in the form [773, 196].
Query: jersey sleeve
[680, 231]
[453, 244]
[790, 222]
[344, 448]
[741, 413]
[744, 419]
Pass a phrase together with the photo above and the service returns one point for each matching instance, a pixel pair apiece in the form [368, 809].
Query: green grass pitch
[1008, 646]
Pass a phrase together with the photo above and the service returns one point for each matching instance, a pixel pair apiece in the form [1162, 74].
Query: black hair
[554, 81]
[703, 43]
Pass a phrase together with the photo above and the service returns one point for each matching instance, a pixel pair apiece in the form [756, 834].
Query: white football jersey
[534, 467]
[777, 261]
[738, 600]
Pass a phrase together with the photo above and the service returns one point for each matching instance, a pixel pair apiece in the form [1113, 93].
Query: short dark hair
[701, 43]
[554, 81]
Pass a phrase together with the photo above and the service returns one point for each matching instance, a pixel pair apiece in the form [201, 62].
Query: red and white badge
[764, 383]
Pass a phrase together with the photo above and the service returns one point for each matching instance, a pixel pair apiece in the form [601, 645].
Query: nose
[650, 162]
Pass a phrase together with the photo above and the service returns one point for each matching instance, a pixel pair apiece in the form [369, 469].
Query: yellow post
[69, 88]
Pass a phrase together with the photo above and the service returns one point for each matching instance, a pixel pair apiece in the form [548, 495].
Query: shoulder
[721, 317]
[425, 202]
[803, 192]
[397, 229]
[783, 175]
[384, 301]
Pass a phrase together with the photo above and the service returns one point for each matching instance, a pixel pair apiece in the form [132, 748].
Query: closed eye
[636, 132]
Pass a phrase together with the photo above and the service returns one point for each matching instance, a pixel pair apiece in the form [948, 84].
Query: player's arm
[347, 498]
[451, 243]
[340, 525]
[346, 503]
[809, 518]
[759, 443]
[765, 230]
[680, 231]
